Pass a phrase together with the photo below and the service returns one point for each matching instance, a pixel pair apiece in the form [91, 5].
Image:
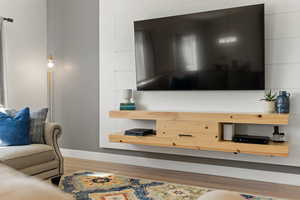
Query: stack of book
[127, 106]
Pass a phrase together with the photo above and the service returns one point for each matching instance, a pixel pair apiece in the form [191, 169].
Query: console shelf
[248, 118]
[272, 149]
[204, 131]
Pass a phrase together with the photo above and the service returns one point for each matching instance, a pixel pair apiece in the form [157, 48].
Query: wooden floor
[208, 181]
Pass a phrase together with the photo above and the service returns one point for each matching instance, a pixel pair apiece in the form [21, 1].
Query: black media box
[251, 139]
[140, 132]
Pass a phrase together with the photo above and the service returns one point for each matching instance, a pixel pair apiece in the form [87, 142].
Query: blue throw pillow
[14, 130]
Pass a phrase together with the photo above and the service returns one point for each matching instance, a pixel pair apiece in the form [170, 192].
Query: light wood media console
[200, 131]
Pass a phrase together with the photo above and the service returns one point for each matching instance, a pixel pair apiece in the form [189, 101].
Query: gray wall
[73, 38]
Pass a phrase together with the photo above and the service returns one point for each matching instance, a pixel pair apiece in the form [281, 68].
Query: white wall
[26, 52]
[117, 70]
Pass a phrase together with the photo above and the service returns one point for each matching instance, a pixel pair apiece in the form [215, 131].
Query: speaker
[228, 131]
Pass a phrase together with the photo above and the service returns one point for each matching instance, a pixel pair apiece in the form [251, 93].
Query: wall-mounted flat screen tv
[215, 50]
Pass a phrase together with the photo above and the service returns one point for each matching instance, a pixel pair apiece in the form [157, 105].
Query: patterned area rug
[104, 186]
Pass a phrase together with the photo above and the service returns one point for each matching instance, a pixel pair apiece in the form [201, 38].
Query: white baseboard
[249, 174]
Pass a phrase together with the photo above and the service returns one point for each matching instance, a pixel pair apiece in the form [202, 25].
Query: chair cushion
[20, 157]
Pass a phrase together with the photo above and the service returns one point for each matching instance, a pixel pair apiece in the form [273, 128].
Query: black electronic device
[214, 50]
[251, 139]
[140, 132]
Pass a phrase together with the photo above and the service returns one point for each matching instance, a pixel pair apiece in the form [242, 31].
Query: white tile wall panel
[118, 71]
[281, 6]
[285, 25]
[268, 47]
[124, 80]
[268, 26]
[125, 61]
[283, 76]
[285, 50]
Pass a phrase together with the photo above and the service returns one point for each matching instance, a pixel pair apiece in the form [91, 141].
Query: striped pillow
[37, 124]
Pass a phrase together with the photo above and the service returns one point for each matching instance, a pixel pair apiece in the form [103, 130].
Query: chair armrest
[52, 132]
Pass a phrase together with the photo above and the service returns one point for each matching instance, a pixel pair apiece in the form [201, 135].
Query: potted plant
[269, 101]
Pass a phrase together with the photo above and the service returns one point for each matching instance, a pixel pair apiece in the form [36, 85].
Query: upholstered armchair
[40, 160]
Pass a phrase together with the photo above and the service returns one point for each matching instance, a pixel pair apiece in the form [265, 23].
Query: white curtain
[2, 65]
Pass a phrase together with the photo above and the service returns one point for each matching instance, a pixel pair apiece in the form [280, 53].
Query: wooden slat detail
[247, 118]
[272, 149]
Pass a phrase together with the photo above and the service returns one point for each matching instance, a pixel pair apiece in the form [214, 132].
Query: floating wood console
[201, 131]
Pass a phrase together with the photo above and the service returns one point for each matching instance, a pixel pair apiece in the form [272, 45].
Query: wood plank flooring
[208, 181]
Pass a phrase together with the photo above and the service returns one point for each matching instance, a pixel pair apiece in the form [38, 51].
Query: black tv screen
[215, 50]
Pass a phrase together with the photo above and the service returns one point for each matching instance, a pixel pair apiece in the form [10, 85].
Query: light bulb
[51, 62]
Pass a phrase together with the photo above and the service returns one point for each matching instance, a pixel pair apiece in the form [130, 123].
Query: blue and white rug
[106, 186]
